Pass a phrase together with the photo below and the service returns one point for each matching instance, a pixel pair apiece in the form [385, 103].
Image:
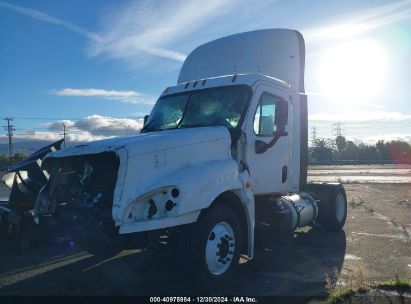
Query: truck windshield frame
[218, 106]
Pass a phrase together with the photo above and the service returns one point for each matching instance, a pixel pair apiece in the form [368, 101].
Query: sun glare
[353, 72]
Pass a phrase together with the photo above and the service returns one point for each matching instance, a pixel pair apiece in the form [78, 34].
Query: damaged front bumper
[75, 190]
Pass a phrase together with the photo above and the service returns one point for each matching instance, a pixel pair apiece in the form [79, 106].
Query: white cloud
[359, 116]
[106, 126]
[90, 128]
[351, 25]
[151, 27]
[48, 18]
[58, 125]
[54, 136]
[122, 96]
[116, 44]
[134, 29]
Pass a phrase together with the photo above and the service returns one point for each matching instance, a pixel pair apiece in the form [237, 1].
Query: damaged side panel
[25, 181]
[27, 178]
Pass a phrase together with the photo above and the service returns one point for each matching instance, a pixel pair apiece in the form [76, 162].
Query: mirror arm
[261, 146]
[145, 119]
[277, 136]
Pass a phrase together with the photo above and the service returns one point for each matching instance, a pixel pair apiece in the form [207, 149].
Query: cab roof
[277, 53]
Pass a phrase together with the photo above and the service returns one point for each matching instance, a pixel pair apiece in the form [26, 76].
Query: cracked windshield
[212, 107]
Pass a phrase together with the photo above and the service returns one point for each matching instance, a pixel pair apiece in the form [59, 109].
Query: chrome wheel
[220, 248]
[340, 207]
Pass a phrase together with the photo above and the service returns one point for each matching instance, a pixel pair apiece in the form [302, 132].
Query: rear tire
[216, 246]
[337, 209]
[332, 205]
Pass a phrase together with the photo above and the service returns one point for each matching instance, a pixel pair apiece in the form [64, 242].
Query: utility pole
[9, 129]
[64, 130]
[337, 128]
[338, 132]
[314, 136]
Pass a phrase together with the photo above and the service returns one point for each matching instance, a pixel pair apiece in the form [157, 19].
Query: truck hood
[147, 142]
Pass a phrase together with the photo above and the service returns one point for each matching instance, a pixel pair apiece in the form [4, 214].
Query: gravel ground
[374, 246]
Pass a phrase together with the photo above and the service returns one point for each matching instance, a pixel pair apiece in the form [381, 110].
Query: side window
[271, 115]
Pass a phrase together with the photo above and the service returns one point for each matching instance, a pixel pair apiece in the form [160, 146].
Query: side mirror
[146, 119]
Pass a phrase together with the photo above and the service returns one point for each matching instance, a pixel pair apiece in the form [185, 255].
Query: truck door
[268, 135]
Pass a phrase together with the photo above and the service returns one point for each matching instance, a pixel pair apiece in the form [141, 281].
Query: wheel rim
[340, 207]
[220, 248]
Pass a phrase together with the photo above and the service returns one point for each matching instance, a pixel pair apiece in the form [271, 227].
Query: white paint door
[268, 135]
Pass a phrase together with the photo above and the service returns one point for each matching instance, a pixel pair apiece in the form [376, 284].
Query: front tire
[217, 245]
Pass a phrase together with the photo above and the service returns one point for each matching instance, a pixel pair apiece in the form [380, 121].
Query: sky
[98, 66]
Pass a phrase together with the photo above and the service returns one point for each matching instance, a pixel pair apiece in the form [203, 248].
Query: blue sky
[99, 64]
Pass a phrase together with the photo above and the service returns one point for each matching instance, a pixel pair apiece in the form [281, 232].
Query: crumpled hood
[147, 142]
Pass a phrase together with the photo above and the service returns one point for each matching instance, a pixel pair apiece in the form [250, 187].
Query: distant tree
[399, 151]
[5, 161]
[396, 150]
[321, 150]
[382, 150]
[20, 156]
[351, 151]
[366, 152]
[341, 143]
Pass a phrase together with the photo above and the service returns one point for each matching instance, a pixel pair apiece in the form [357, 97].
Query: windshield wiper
[190, 126]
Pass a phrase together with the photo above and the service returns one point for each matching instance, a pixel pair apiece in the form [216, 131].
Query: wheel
[332, 205]
[216, 246]
[337, 213]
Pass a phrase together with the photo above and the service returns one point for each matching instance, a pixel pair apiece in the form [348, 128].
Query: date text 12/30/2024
[203, 300]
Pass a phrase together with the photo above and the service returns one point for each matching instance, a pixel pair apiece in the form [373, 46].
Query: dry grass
[359, 286]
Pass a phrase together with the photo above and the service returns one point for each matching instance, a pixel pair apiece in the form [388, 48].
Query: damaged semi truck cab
[224, 148]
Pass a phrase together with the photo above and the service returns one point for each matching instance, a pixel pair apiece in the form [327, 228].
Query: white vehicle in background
[225, 147]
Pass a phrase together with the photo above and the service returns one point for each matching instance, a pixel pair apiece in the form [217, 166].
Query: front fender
[199, 185]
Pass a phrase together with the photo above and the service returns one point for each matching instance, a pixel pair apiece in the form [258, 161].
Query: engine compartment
[83, 182]
[80, 189]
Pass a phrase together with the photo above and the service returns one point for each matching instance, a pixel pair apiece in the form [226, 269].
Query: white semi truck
[222, 149]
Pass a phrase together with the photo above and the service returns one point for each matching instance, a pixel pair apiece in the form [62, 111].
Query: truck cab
[255, 109]
[227, 143]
